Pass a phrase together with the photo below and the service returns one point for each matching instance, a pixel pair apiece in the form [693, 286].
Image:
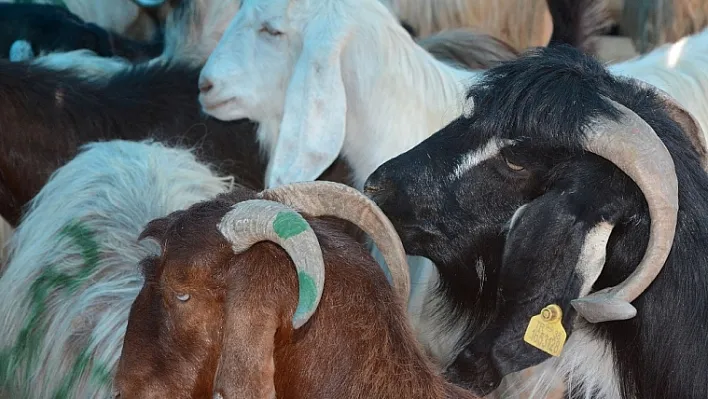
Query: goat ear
[246, 367]
[314, 119]
[549, 242]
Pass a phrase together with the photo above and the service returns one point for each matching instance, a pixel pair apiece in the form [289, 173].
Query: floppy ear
[548, 238]
[246, 366]
[314, 119]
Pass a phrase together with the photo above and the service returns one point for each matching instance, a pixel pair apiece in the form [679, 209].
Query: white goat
[680, 69]
[73, 271]
[332, 77]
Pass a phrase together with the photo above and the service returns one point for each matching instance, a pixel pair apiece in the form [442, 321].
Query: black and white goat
[565, 185]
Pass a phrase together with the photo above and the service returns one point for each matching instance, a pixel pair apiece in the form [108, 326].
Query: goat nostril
[205, 86]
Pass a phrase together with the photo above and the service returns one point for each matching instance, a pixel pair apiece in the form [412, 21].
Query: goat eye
[183, 297]
[514, 167]
[270, 30]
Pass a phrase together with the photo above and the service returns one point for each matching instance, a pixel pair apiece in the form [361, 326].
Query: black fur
[542, 102]
[51, 28]
[578, 22]
[47, 115]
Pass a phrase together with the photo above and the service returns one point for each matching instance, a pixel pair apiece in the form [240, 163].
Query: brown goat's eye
[183, 297]
[514, 167]
[266, 28]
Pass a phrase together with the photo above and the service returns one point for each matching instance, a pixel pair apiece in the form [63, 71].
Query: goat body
[358, 344]
[72, 275]
[47, 115]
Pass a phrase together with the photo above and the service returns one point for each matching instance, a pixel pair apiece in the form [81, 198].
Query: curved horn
[149, 3]
[323, 198]
[252, 221]
[633, 146]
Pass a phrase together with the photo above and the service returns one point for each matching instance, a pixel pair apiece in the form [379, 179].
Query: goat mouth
[211, 107]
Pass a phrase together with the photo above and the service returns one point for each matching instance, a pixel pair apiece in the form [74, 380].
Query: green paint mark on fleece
[288, 224]
[308, 291]
[51, 281]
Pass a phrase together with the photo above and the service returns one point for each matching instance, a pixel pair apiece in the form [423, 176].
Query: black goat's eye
[270, 30]
[514, 167]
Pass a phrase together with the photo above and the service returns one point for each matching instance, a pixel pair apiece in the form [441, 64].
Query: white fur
[114, 189]
[396, 94]
[474, 158]
[83, 62]
[21, 50]
[680, 69]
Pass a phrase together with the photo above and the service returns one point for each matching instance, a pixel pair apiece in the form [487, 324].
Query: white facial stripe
[474, 158]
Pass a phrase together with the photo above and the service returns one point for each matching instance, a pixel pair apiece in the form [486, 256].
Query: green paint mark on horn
[308, 293]
[288, 224]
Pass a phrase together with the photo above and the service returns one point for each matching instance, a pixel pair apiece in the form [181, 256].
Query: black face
[510, 191]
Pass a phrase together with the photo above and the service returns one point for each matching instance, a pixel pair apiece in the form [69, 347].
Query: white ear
[314, 118]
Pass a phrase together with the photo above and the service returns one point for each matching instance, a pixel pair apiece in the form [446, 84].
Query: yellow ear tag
[546, 332]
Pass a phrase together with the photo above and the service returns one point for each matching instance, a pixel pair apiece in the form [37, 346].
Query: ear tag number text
[545, 330]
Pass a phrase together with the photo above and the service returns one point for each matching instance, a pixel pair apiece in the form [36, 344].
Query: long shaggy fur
[651, 23]
[468, 49]
[73, 273]
[680, 69]
[579, 22]
[521, 23]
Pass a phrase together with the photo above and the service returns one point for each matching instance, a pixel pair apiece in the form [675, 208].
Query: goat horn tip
[601, 306]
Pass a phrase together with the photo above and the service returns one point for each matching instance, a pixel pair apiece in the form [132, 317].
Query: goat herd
[353, 199]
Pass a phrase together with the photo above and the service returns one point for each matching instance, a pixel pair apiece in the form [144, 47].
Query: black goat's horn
[633, 146]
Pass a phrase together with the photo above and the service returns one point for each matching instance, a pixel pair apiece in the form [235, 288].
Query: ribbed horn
[323, 198]
[252, 221]
[633, 146]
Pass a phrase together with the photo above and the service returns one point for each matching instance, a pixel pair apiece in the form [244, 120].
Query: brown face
[173, 339]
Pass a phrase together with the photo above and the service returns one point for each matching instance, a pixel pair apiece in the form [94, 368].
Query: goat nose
[379, 188]
[205, 85]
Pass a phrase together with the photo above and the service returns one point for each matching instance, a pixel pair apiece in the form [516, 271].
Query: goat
[131, 18]
[230, 300]
[29, 30]
[468, 49]
[47, 115]
[521, 23]
[681, 70]
[651, 23]
[532, 200]
[72, 275]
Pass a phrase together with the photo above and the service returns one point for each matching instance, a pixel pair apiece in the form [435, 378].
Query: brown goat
[234, 337]
[468, 48]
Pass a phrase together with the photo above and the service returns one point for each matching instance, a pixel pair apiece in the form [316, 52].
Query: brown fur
[521, 23]
[468, 48]
[651, 23]
[358, 344]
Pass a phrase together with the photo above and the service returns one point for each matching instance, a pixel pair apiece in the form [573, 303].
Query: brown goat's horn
[321, 198]
[633, 146]
[252, 221]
